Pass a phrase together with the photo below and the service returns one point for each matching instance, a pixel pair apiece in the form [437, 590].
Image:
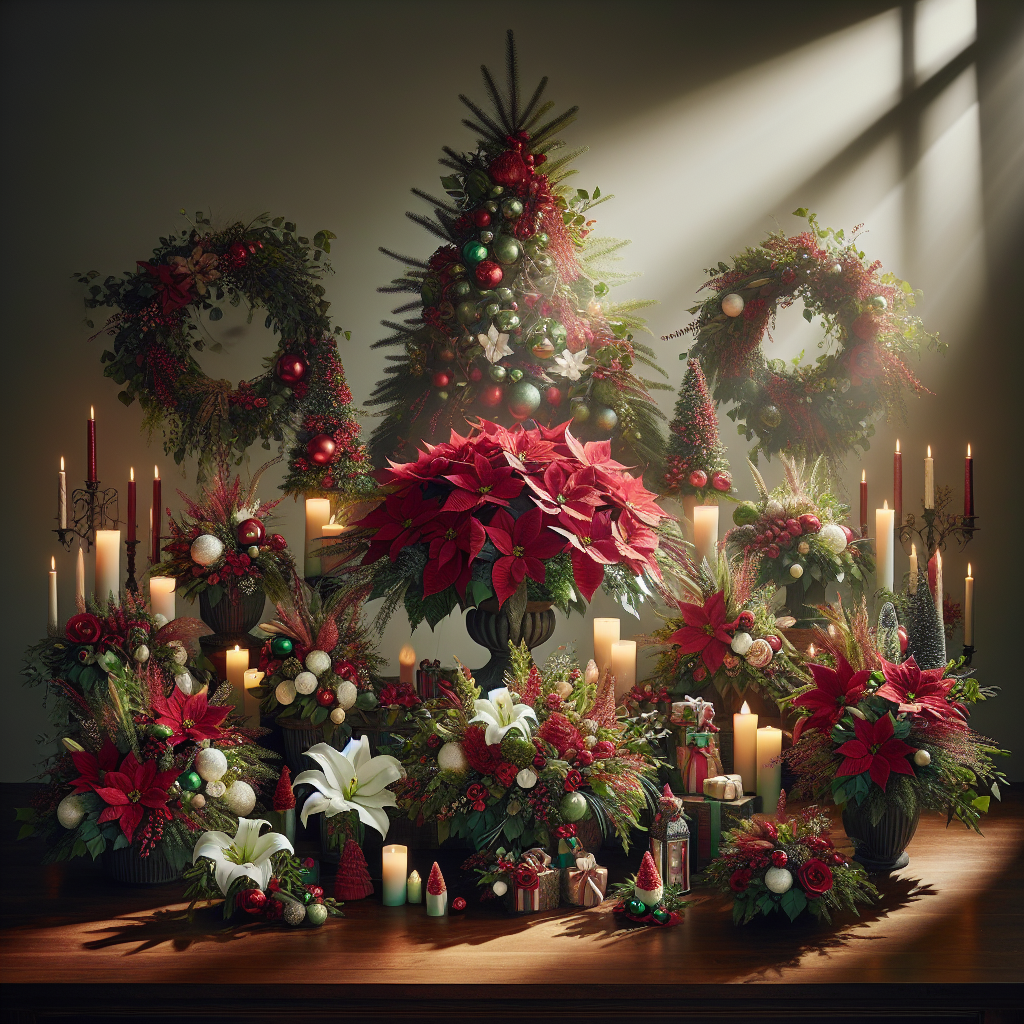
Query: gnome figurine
[437, 893]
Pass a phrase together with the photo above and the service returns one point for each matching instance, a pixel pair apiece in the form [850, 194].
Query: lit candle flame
[62, 463]
[863, 476]
[407, 655]
[156, 472]
[53, 565]
[237, 648]
[131, 473]
[968, 449]
[885, 505]
[811, 652]
[913, 549]
[92, 412]
[897, 446]
[969, 573]
[929, 451]
[745, 710]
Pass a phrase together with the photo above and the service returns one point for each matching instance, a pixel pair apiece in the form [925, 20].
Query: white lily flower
[248, 853]
[500, 715]
[570, 364]
[351, 780]
[495, 345]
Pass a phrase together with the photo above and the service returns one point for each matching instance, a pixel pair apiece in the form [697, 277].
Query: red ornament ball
[476, 374]
[810, 523]
[721, 481]
[779, 858]
[553, 396]
[507, 168]
[481, 218]
[321, 449]
[250, 532]
[745, 620]
[458, 904]
[488, 274]
[277, 542]
[774, 642]
[698, 478]
[442, 379]
[325, 698]
[904, 639]
[492, 396]
[291, 369]
[850, 535]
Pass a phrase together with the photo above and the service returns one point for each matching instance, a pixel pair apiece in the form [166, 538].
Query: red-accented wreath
[826, 407]
[300, 400]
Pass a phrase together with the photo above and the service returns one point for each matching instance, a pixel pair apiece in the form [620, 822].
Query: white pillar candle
[705, 533]
[108, 566]
[929, 480]
[969, 608]
[744, 747]
[884, 553]
[62, 496]
[623, 666]
[407, 665]
[331, 532]
[769, 776]
[237, 663]
[318, 515]
[251, 678]
[161, 596]
[913, 569]
[606, 632]
[80, 579]
[414, 888]
[938, 585]
[51, 618]
[395, 866]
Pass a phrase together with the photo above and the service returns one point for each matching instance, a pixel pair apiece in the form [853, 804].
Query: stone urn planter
[493, 627]
[233, 616]
[881, 847]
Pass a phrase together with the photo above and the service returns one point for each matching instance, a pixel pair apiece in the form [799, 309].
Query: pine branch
[493, 129]
[554, 125]
[512, 79]
[411, 261]
[458, 161]
[553, 167]
[416, 304]
[499, 106]
[534, 100]
[438, 204]
[432, 226]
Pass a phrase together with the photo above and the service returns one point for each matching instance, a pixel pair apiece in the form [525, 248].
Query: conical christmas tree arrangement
[352, 882]
[926, 640]
[889, 634]
[510, 320]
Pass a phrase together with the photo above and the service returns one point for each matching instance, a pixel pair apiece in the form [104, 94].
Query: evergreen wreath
[826, 407]
[160, 325]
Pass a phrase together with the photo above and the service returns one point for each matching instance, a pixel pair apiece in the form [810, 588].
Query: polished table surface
[946, 938]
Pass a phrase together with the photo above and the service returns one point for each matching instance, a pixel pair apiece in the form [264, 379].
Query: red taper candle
[897, 487]
[131, 506]
[969, 485]
[90, 459]
[863, 502]
[154, 556]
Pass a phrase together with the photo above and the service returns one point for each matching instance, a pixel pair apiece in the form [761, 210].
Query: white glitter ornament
[215, 790]
[206, 549]
[294, 913]
[305, 682]
[240, 798]
[796, 570]
[452, 758]
[833, 537]
[779, 880]
[141, 654]
[318, 662]
[211, 764]
[499, 888]
[198, 802]
[803, 547]
[347, 694]
[732, 304]
[338, 716]
[71, 811]
[527, 778]
[922, 758]
[285, 692]
[741, 643]
[184, 683]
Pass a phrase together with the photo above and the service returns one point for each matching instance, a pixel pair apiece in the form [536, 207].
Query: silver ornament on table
[294, 913]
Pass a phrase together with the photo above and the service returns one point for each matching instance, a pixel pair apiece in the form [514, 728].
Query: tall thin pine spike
[534, 100]
[415, 304]
[438, 204]
[410, 260]
[538, 114]
[554, 125]
[499, 106]
[456, 158]
[432, 226]
[512, 77]
[492, 128]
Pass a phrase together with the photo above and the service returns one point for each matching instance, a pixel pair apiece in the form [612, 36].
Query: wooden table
[945, 943]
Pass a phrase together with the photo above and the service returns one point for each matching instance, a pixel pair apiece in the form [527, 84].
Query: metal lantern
[670, 842]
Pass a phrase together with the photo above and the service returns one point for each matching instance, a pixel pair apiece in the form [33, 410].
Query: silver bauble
[206, 549]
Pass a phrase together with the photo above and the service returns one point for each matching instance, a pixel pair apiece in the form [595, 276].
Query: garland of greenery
[160, 325]
[820, 408]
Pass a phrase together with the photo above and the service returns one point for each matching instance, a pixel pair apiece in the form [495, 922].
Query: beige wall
[710, 123]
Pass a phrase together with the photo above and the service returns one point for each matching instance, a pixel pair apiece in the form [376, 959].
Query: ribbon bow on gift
[587, 864]
[538, 859]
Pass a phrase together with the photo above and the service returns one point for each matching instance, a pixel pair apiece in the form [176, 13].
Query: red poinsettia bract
[93, 767]
[523, 543]
[876, 750]
[836, 689]
[921, 692]
[191, 718]
[400, 520]
[130, 790]
[452, 552]
[704, 632]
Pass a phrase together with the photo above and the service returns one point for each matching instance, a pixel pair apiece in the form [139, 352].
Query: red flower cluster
[400, 695]
[458, 495]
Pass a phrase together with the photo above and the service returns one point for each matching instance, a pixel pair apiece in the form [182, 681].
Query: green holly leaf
[793, 903]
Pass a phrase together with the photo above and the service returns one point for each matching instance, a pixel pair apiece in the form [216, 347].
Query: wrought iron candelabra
[92, 508]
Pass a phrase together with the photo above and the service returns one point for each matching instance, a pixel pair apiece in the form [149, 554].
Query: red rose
[506, 773]
[573, 780]
[83, 629]
[780, 859]
[584, 758]
[815, 877]
[565, 832]
[603, 749]
[252, 901]
[477, 796]
[433, 740]
[526, 877]
[740, 879]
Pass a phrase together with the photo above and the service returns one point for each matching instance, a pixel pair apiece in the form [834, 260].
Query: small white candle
[318, 515]
[414, 887]
[884, 553]
[929, 480]
[161, 596]
[606, 632]
[394, 865]
[80, 579]
[407, 664]
[744, 747]
[705, 533]
[769, 776]
[252, 677]
[237, 663]
[969, 608]
[331, 532]
[913, 569]
[108, 566]
[62, 496]
[51, 619]
[623, 666]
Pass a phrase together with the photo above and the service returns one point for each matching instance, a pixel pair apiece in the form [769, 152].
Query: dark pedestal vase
[128, 867]
[880, 847]
[489, 626]
[232, 617]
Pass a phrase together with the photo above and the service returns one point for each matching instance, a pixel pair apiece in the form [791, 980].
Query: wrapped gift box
[585, 884]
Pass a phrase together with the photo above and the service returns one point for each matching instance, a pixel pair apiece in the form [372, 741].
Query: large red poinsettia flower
[523, 542]
[637, 544]
[704, 632]
[835, 690]
[452, 552]
[191, 718]
[561, 490]
[921, 692]
[402, 519]
[481, 484]
[876, 750]
[128, 791]
[592, 548]
[637, 500]
[174, 289]
[93, 767]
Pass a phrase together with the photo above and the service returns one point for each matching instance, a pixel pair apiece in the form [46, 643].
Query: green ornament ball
[491, 207]
[316, 914]
[573, 806]
[498, 190]
[661, 915]
[492, 309]
[462, 289]
[541, 238]
[581, 412]
[190, 782]
[516, 376]
[522, 401]
[606, 419]
[474, 252]
[558, 332]
[770, 416]
[512, 209]
[161, 732]
[507, 320]
[505, 294]
[467, 312]
[456, 270]
[636, 907]
[498, 373]
[442, 396]
[507, 250]
[281, 647]
[487, 237]
[879, 302]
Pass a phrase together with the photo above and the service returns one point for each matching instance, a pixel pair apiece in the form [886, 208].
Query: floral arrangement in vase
[221, 543]
[796, 537]
[144, 765]
[511, 515]
[788, 863]
[882, 737]
[257, 876]
[529, 762]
